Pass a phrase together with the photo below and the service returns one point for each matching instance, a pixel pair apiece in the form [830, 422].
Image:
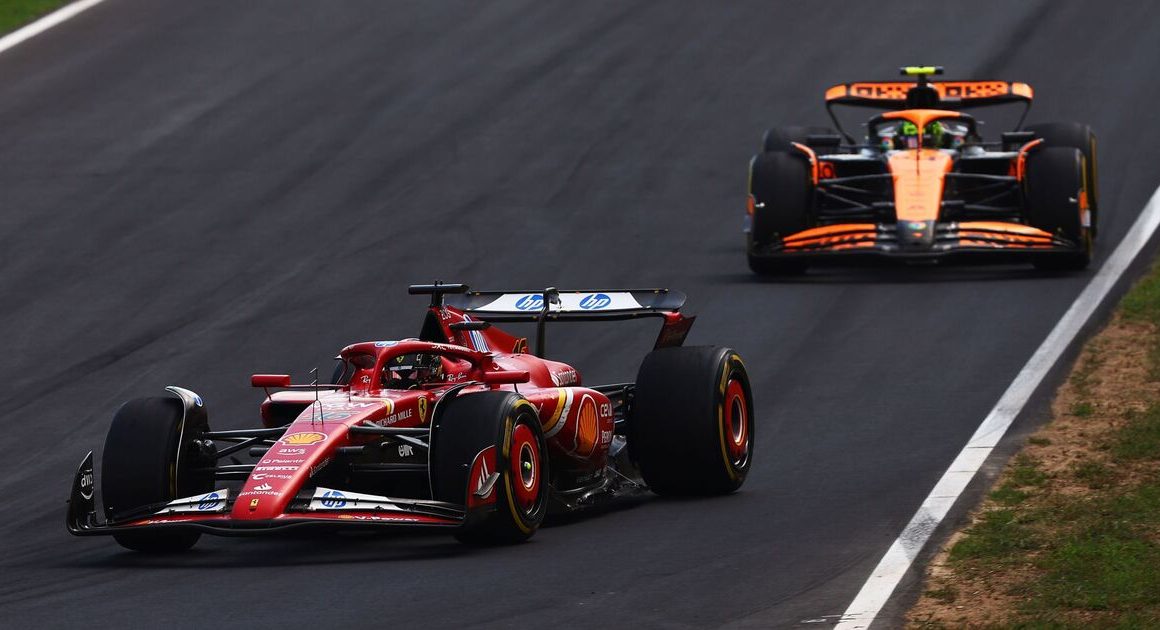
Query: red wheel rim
[525, 467]
[736, 434]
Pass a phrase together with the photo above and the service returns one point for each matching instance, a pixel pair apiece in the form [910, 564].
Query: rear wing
[951, 94]
[926, 94]
[558, 305]
[540, 306]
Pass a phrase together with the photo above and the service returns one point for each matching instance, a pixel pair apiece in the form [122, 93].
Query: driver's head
[907, 136]
[932, 135]
[408, 371]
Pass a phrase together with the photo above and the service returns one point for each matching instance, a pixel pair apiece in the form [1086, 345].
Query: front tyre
[691, 430]
[469, 425]
[1054, 188]
[141, 466]
[1077, 136]
[779, 186]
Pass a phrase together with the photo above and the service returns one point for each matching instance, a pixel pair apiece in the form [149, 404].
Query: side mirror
[506, 377]
[270, 380]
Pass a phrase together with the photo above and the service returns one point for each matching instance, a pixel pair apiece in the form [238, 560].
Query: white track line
[886, 576]
[43, 24]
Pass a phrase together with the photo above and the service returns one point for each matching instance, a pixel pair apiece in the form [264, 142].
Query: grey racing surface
[197, 191]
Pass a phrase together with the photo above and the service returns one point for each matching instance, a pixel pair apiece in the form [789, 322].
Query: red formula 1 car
[460, 428]
[924, 184]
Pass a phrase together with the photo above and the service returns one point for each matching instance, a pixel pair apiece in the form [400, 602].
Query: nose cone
[283, 469]
[919, 177]
[915, 235]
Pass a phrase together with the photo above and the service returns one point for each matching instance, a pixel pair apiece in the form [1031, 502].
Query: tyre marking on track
[878, 588]
[62, 14]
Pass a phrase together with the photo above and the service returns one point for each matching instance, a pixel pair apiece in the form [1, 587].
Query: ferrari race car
[924, 184]
[460, 428]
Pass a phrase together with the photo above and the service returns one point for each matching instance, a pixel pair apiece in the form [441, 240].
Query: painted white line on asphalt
[886, 576]
[43, 24]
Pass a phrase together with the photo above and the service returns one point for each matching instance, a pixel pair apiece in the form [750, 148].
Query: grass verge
[17, 13]
[1070, 535]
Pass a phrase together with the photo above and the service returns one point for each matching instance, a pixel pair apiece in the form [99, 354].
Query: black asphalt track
[196, 191]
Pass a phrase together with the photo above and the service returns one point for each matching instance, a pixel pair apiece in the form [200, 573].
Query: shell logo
[303, 439]
[587, 427]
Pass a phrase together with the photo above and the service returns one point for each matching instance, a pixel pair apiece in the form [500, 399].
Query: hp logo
[209, 502]
[530, 303]
[595, 301]
[333, 499]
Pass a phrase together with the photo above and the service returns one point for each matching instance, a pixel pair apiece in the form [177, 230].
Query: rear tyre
[1077, 136]
[467, 425]
[782, 138]
[691, 430]
[779, 183]
[1054, 185]
[140, 466]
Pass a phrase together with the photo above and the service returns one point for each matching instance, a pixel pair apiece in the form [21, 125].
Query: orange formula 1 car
[924, 185]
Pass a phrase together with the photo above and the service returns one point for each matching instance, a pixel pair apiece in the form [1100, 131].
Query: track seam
[880, 586]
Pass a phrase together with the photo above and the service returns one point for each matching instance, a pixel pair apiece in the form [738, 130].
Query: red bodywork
[282, 488]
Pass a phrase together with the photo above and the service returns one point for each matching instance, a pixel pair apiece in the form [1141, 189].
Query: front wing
[918, 240]
[210, 512]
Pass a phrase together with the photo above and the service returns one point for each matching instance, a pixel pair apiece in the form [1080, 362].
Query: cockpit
[412, 371]
[915, 129]
[391, 365]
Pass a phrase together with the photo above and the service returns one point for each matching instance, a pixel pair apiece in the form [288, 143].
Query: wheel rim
[736, 420]
[525, 467]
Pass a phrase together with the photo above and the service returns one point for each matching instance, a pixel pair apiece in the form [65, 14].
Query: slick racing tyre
[782, 138]
[466, 426]
[1053, 188]
[140, 466]
[779, 183]
[1077, 136]
[691, 429]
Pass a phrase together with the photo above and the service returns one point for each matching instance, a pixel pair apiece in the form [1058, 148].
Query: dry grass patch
[1069, 537]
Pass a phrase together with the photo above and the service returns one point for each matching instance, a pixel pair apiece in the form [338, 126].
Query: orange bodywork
[1021, 161]
[813, 157]
[834, 237]
[865, 236]
[1002, 234]
[919, 176]
[897, 90]
[919, 180]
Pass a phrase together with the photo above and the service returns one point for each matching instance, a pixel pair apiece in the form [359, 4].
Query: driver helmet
[933, 135]
[907, 136]
[408, 371]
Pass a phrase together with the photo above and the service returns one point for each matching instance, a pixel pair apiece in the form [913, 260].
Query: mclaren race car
[923, 184]
[461, 428]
